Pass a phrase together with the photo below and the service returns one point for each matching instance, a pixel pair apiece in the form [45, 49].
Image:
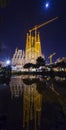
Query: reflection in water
[33, 103]
[16, 85]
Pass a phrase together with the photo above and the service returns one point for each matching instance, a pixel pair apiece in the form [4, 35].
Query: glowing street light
[8, 62]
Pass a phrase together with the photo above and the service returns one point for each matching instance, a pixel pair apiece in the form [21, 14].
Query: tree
[28, 65]
[40, 62]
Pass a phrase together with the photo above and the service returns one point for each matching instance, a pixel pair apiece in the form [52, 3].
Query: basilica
[30, 54]
[32, 49]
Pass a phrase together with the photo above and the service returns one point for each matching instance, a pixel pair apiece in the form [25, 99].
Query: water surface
[33, 103]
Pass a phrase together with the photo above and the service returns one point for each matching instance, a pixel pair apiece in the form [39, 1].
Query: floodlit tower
[33, 48]
[33, 43]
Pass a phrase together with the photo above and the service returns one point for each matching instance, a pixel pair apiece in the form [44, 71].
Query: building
[32, 52]
[33, 48]
[18, 59]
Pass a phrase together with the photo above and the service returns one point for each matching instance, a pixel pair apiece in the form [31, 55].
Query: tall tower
[33, 44]
[33, 47]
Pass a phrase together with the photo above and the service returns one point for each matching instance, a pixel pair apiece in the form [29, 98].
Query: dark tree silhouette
[28, 65]
[40, 62]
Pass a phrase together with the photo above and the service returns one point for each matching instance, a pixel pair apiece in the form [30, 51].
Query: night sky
[18, 16]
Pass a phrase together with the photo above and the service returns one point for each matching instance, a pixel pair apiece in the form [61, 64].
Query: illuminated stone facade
[18, 59]
[33, 48]
[32, 52]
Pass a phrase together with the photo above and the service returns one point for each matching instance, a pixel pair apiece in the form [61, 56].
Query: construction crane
[51, 56]
[41, 25]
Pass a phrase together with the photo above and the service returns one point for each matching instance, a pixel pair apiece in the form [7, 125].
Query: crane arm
[41, 25]
[51, 55]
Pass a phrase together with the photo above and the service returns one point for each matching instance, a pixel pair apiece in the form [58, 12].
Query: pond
[33, 103]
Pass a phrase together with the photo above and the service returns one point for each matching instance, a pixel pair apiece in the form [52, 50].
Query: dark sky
[18, 16]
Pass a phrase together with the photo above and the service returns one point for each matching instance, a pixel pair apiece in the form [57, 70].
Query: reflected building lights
[31, 106]
[32, 102]
[16, 87]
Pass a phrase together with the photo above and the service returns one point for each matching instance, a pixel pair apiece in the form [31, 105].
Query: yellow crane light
[51, 56]
[43, 24]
